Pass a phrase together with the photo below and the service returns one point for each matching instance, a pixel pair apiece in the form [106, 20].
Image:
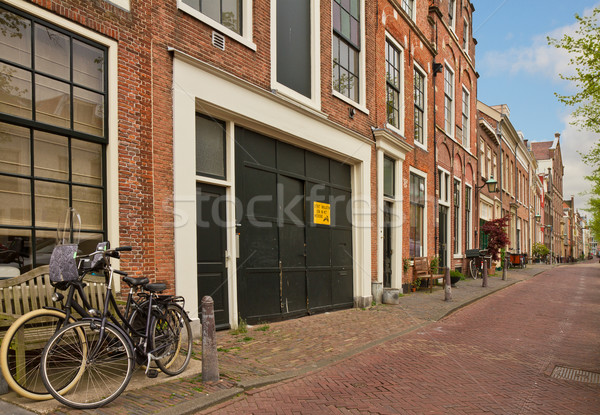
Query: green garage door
[294, 228]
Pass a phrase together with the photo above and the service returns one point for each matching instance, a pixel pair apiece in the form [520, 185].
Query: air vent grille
[218, 40]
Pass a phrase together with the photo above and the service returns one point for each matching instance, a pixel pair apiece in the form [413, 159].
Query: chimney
[557, 135]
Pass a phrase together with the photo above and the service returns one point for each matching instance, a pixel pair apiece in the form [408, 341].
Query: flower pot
[453, 281]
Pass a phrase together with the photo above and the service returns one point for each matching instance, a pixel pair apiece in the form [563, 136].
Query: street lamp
[538, 217]
[491, 184]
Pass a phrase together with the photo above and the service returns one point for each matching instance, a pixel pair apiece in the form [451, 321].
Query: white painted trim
[452, 132]
[123, 4]
[199, 87]
[468, 147]
[469, 229]
[315, 55]
[421, 173]
[246, 37]
[423, 72]
[402, 103]
[112, 149]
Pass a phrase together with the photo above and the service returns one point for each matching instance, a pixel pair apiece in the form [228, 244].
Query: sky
[517, 67]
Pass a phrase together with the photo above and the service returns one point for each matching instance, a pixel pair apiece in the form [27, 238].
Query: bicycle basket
[63, 266]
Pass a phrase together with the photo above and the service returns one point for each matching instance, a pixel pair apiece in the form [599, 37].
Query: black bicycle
[477, 262]
[88, 363]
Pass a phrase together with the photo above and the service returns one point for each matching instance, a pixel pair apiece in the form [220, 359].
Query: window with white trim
[53, 136]
[419, 112]
[482, 158]
[468, 221]
[448, 101]
[226, 12]
[393, 79]
[417, 215]
[408, 7]
[466, 130]
[456, 205]
[452, 14]
[346, 47]
[465, 45]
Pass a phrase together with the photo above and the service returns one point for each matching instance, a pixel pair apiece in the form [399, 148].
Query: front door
[211, 247]
[443, 236]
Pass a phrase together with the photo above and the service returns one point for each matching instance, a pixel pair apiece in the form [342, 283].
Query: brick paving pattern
[495, 356]
[313, 342]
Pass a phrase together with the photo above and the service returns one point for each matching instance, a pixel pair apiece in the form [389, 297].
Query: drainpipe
[435, 155]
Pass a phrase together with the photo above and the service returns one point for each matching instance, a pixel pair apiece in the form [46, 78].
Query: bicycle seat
[156, 287]
[134, 282]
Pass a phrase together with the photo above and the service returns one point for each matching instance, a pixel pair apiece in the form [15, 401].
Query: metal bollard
[485, 273]
[210, 361]
[447, 285]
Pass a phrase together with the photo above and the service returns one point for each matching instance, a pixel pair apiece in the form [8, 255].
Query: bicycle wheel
[171, 340]
[22, 348]
[107, 361]
[473, 269]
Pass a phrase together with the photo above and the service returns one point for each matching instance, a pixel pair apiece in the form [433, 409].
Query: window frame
[315, 21]
[452, 15]
[456, 210]
[449, 123]
[390, 42]
[468, 215]
[361, 103]
[410, 5]
[466, 116]
[466, 37]
[107, 140]
[245, 38]
[419, 69]
[423, 206]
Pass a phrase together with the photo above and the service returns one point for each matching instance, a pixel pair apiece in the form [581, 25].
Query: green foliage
[540, 250]
[242, 327]
[497, 236]
[454, 273]
[434, 265]
[405, 264]
[585, 59]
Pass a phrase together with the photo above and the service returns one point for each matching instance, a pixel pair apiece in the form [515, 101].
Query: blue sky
[518, 68]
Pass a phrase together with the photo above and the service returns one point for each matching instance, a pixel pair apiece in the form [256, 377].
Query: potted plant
[455, 276]
[416, 284]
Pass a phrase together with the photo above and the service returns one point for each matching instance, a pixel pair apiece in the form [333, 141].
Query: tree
[585, 58]
[584, 48]
[497, 236]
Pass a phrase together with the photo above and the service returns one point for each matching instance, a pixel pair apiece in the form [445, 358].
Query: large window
[452, 14]
[467, 217]
[53, 132]
[389, 177]
[408, 7]
[457, 238]
[294, 66]
[448, 101]
[419, 80]
[226, 12]
[346, 47]
[417, 215]
[393, 78]
[466, 128]
[210, 147]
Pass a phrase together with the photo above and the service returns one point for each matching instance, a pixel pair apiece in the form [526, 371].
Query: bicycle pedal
[152, 373]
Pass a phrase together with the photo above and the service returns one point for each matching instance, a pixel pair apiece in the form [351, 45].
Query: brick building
[455, 132]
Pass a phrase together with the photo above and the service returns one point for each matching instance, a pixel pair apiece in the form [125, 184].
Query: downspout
[435, 156]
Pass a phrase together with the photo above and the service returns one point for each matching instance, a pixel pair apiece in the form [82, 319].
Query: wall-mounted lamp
[538, 217]
[351, 113]
[492, 185]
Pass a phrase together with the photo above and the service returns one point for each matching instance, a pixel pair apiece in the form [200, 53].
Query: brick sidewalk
[275, 351]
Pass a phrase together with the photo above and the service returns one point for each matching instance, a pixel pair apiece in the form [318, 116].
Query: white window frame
[401, 121]
[458, 241]
[361, 105]
[452, 12]
[450, 133]
[413, 13]
[466, 132]
[315, 78]
[469, 227]
[423, 72]
[424, 176]
[245, 38]
[466, 35]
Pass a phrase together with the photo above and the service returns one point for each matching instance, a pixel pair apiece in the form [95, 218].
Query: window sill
[216, 25]
[347, 100]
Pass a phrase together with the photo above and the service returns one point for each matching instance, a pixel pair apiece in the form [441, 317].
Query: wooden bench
[422, 270]
[32, 291]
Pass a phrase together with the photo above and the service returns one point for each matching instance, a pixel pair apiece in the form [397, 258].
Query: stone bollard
[485, 273]
[505, 265]
[447, 285]
[210, 361]
[3, 385]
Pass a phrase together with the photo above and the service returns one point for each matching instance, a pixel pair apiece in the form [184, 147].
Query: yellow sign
[322, 213]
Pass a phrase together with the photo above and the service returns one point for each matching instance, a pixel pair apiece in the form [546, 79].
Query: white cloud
[538, 58]
[572, 143]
